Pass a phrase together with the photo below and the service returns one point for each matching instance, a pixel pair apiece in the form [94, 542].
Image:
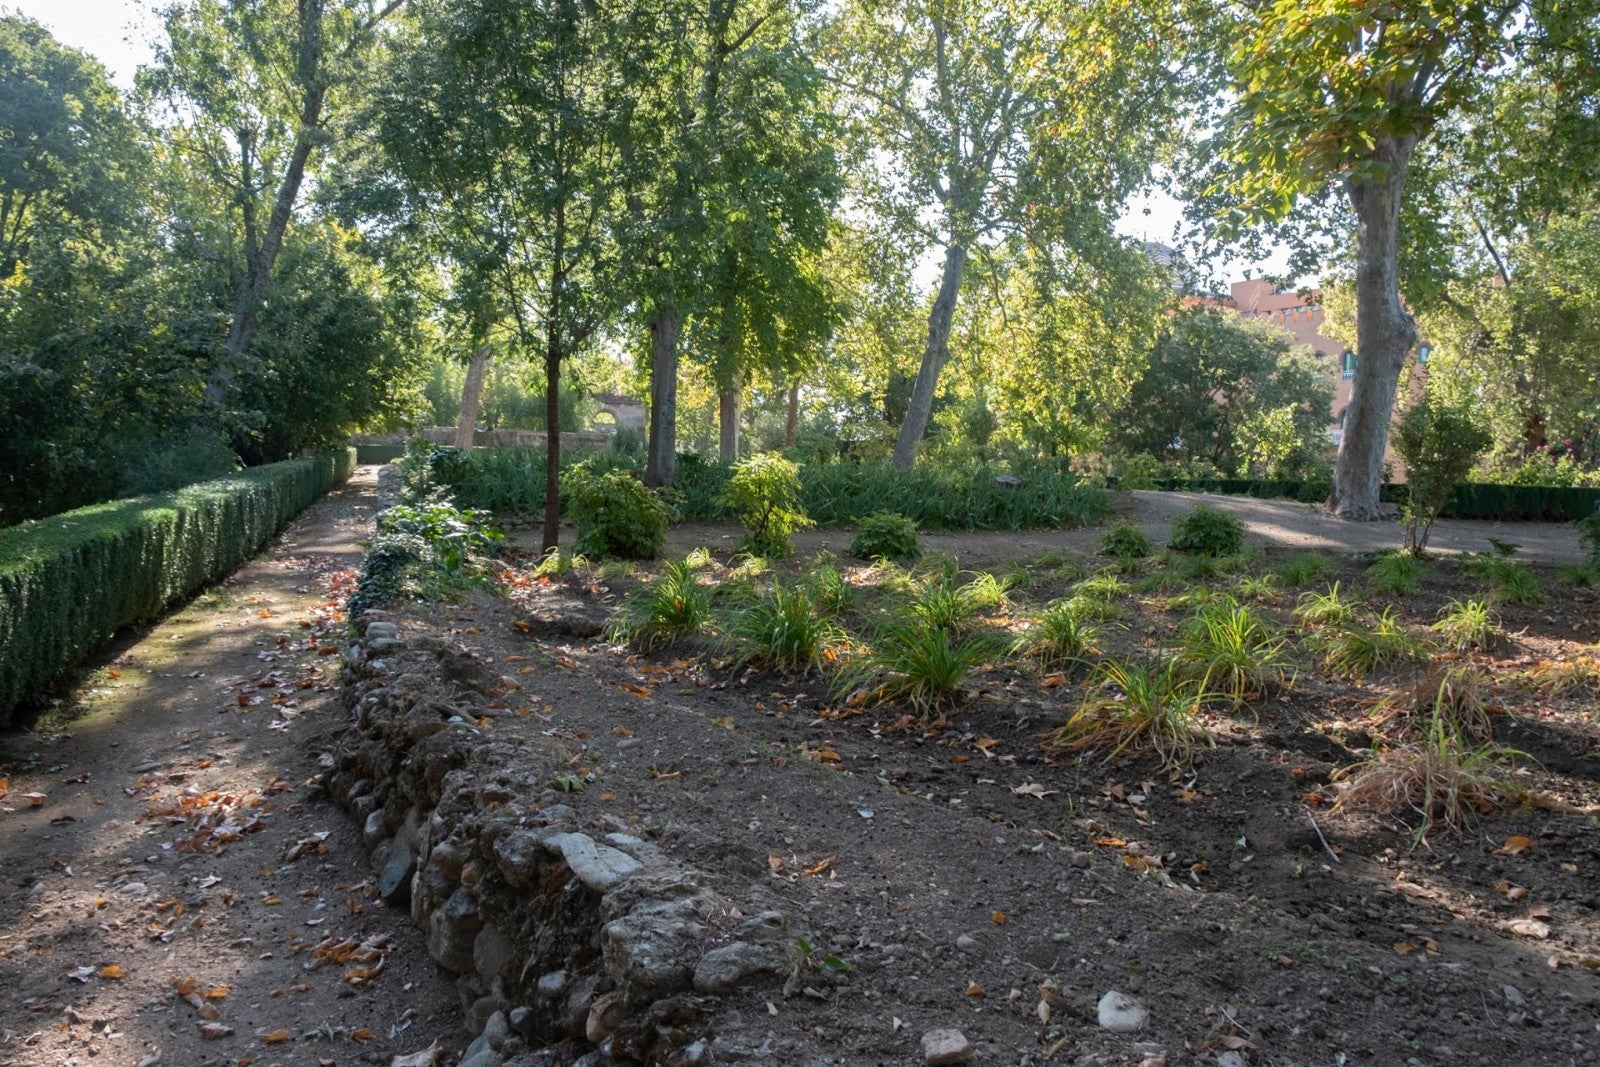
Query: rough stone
[605, 1015]
[375, 830]
[762, 927]
[646, 949]
[525, 1021]
[482, 1010]
[490, 951]
[967, 943]
[597, 866]
[517, 852]
[394, 880]
[945, 1046]
[484, 1057]
[1121, 1014]
[497, 1031]
[552, 985]
[725, 969]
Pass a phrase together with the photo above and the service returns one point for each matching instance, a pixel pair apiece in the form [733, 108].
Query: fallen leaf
[428, 1057]
[775, 862]
[821, 865]
[1032, 789]
[1110, 842]
[999, 918]
[1529, 928]
[1404, 948]
[973, 990]
[214, 1031]
[111, 971]
[1515, 845]
[35, 800]
[277, 1037]
[363, 1034]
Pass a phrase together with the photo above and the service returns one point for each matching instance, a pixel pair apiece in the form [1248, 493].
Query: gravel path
[179, 894]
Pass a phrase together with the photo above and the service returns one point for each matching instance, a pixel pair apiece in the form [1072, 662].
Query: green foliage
[886, 534]
[1208, 532]
[68, 583]
[924, 665]
[659, 612]
[422, 549]
[783, 631]
[763, 495]
[1467, 626]
[1354, 650]
[830, 591]
[1589, 534]
[1439, 443]
[1509, 581]
[1134, 708]
[1396, 574]
[938, 498]
[617, 515]
[942, 604]
[1059, 639]
[1229, 651]
[1325, 609]
[1305, 568]
[1125, 541]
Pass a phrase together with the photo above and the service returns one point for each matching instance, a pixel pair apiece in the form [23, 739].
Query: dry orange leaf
[272, 902]
[822, 865]
[1515, 845]
[973, 990]
[1110, 842]
[999, 917]
[5, 786]
[277, 1037]
[363, 1034]
[35, 800]
[1404, 948]
[111, 971]
[622, 731]
[775, 862]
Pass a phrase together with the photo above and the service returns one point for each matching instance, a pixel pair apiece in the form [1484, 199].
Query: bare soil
[171, 873]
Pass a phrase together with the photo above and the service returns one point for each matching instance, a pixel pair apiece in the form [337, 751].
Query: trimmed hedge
[1471, 500]
[67, 583]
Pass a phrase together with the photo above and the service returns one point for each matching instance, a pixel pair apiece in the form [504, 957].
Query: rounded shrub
[1125, 541]
[886, 535]
[1208, 532]
[617, 515]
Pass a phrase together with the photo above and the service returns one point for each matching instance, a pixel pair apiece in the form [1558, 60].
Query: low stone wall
[583, 944]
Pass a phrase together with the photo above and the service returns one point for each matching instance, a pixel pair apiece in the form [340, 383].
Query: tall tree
[1338, 95]
[504, 111]
[247, 86]
[1000, 119]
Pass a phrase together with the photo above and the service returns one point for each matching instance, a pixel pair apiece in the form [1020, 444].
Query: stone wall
[583, 943]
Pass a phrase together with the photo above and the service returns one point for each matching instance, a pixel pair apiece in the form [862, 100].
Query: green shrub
[1227, 650]
[1324, 609]
[67, 583]
[1355, 651]
[763, 495]
[1589, 534]
[1396, 574]
[617, 516]
[886, 535]
[1439, 443]
[1305, 568]
[941, 498]
[922, 665]
[782, 630]
[1134, 708]
[1125, 541]
[419, 547]
[1208, 532]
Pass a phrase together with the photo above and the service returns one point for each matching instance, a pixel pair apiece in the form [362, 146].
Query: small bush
[1257, 587]
[1355, 651]
[1206, 531]
[670, 608]
[1467, 626]
[1306, 568]
[1134, 708]
[1228, 650]
[922, 665]
[763, 495]
[1439, 443]
[618, 517]
[941, 604]
[1396, 574]
[1125, 541]
[886, 535]
[782, 631]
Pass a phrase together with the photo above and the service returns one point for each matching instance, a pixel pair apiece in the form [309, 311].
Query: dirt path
[167, 897]
[1283, 524]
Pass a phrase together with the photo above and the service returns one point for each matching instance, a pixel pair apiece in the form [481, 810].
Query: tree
[1231, 392]
[505, 112]
[1339, 95]
[1000, 120]
[247, 87]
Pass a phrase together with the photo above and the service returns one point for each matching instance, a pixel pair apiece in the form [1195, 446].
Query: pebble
[1232, 1059]
[1514, 996]
[1121, 1014]
[967, 943]
[945, 1046]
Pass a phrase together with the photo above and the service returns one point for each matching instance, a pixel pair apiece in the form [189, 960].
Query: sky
[118, 32]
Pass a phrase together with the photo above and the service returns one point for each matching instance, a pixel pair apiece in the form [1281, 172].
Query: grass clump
[1206, 531]
[1125, 541]
[1459, 693]
[941, 604]
[1257, 587]
[1444, 777]
[1305, 568]
[1059, 639]
[1325, 609]
[1467, 626]
[924, 666]
[830, 591]
[1134, 708]
[782, 631]
[1355, 650]
[1509, 582]
[886, 535]
[1396, 574]
[1228, 650]
[656, 613]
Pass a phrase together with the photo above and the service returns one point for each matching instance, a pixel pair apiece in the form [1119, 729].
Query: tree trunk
[793, 420]
[934, 356]
[1385, 335]
[661, 461]
[729, 408]
[552, 430]
[471, 396]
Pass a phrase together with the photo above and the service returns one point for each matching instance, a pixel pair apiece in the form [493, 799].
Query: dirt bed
[963, 879]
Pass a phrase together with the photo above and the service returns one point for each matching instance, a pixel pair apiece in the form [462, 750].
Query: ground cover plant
[1208, 532]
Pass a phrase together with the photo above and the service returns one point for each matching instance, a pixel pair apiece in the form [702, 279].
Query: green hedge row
[1501, 503]
[67, 583]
